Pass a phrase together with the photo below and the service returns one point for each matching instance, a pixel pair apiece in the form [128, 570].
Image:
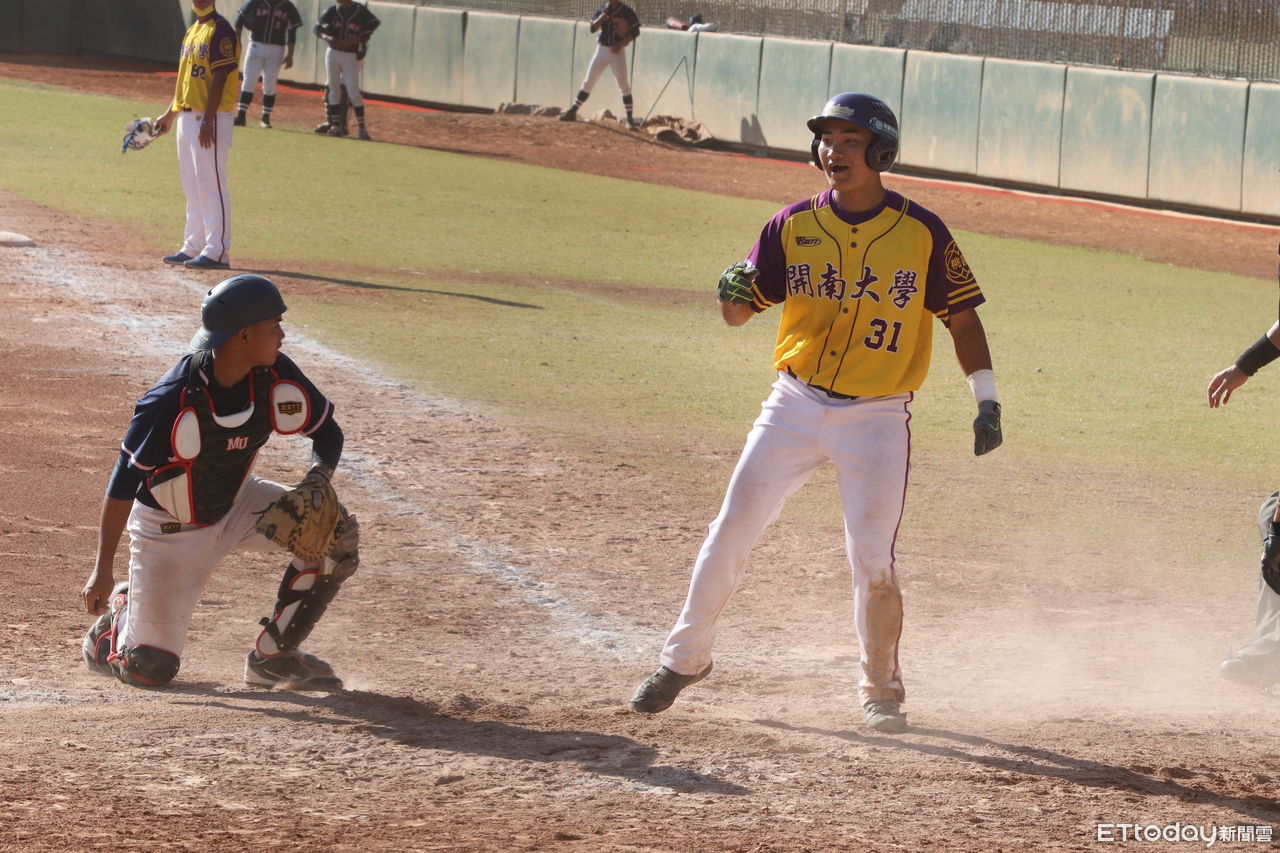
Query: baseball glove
[986, 428]
[138, 134]
[736, 283]
[304, 519]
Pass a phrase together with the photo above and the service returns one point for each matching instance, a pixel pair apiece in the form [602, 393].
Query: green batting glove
[736, 282]
[986, 428]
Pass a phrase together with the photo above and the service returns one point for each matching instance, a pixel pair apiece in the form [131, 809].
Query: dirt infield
[511, 596]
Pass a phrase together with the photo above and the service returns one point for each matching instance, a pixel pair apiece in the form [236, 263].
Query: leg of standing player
[273, 58]
[332, 86]
[351, 74]
[599, 62]
[618, 62]
[204, 182]
[254, 60]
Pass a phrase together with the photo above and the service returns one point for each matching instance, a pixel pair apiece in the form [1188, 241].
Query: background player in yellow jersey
[202, 106]
[860, 273]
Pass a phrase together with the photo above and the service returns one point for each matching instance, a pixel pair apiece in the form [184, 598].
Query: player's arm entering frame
[1263, 351]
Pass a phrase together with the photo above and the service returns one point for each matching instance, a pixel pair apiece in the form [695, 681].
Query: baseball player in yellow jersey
[203, 103]
[860, 273]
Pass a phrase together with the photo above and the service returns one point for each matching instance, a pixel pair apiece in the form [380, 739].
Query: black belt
[835, 395]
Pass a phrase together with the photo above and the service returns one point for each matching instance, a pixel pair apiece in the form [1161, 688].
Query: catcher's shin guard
[306, 590]
[100, 641]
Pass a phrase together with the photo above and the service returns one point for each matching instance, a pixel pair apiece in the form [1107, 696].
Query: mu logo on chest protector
[238, 442]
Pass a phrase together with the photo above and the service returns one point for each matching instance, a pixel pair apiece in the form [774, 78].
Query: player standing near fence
[618, 26]
[860, 273]
[346, 27]
[273, 29]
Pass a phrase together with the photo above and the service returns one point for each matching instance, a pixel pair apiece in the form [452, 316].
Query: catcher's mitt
[138, 134]
[304, 519]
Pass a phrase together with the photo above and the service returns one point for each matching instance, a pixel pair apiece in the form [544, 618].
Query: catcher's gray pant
[262, 60]
[606, 58]
[1267, 626]
[168, 567]
[342, 69]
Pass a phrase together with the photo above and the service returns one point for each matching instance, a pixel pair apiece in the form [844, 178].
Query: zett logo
[170, 527]
[808, 241]
[289, 407]
[238, 442]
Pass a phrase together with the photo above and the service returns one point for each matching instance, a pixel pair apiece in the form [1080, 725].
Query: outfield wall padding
[1020, 123]
[489, 59]
[544, 64]
[308, 51]
[877, 71]
[11, 33]
[726, 86]
[658, 55]
[793, 87]
[1197, 141]
[48, 26]
[1106, 131]
[388, 66]
[438, 42]
[1261, 179]
[941, 97]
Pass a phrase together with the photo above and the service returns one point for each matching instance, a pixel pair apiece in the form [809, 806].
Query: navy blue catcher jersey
[270, 21]
[240, 425]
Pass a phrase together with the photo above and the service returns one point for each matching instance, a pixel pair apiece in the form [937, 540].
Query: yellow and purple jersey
[210, 44]
[859, 292]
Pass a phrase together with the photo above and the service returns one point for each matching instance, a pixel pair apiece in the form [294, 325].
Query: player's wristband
[1258, 356]
[983, 385]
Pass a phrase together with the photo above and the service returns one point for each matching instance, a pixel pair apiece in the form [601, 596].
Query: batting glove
[1271, 558]
[986, 428]
[736, 283]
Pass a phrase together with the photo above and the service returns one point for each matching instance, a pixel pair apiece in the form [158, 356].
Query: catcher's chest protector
[212, 454]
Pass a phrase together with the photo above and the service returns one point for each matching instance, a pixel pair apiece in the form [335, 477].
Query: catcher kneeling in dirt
[183, 486]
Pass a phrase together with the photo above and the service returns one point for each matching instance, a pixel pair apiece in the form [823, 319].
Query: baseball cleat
[294, 670]
[266, 122]
[364, 134]
[323, 128]
[203, 262]
[884, 715]
[337, 130]
[1260, 671]
[570, 114]
[659, 690]
[634, 124]
[176, 258]
[238, 121]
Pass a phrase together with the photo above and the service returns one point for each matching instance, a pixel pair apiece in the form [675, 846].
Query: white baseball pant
[262, 60]
[342, 67]
[168, 571]
[799, 429]
[606, 58]
[204, 183]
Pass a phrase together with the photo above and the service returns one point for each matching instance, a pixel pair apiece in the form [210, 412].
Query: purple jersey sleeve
[222, 46]
[951, 285]
[769, 256]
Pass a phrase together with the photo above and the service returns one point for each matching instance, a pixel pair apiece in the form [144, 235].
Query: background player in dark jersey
[345, 27]
[618, 26]
[273, 29]
[183, 487]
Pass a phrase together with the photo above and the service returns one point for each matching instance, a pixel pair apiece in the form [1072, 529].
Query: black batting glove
[736, 283]
[1271, 558]
[986, 428]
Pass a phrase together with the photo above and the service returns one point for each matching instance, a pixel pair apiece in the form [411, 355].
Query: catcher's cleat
[570, 114]
[1252, 670]
[364, 134]
[323, 127]
[337, 130]
[177, 258]
[884, 715]
[295, 670]
[238, 121]
[659, 690]
[266, 122]
[204, 262]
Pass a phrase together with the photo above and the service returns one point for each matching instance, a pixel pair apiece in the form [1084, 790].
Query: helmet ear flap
[813, 152]
[881, 153]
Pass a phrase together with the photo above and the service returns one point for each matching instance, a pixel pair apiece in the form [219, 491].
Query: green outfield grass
[1102, 359]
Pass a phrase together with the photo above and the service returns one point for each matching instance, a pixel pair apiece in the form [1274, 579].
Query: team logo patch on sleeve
[958, 272]
[225, 47]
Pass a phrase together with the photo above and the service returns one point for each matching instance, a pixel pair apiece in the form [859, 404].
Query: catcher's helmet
[234, 303]
[866, 112]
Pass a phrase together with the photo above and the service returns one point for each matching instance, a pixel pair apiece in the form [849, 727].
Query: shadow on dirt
[1046, 764]
[427, 725]
[369, 285]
